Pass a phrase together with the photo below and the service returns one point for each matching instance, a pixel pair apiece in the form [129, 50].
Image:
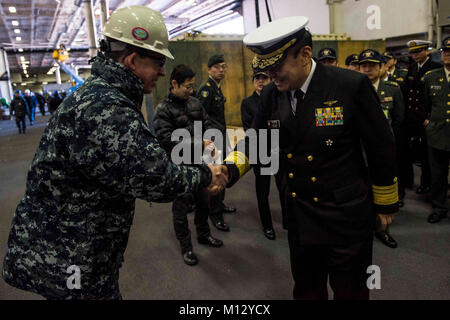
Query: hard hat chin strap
[107, 45]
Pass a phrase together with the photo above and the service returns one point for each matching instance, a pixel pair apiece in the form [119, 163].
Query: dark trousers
[262, 183]
[282, 190]
[420, 152]
[180, 220]
[405, 173]
[439, 161]
[42, 109]
[346, 266]
[20, 122]
[216, 207]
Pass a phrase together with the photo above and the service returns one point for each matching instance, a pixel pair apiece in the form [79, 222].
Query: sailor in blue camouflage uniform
[324, 115]
[390, 95]
[97, 156]
[437, 101]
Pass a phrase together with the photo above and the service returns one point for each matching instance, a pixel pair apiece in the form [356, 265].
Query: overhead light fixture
[18, 38]
[45, 82]
[15, 23]
[16, 30]
[12, 9]
[23, 84]
[20, 50]
[22, 58]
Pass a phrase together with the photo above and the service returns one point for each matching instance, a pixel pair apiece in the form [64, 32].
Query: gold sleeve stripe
[240, 161]
[385, 195]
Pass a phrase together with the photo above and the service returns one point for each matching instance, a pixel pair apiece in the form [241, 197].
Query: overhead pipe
[438, 28]
[2, 16]
[430, 20]
[105, 11]
[43, 50]
[89, 13]
[32, 23]
[177, 30]
[258, 22]
[49, 35]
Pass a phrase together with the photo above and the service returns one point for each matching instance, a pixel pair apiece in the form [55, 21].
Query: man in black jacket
[179, 111]
[19, 110]
[416, 115]
[324, 115]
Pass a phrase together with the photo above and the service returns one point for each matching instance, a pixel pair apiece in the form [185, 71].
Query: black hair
[306, 40]
[180, 73]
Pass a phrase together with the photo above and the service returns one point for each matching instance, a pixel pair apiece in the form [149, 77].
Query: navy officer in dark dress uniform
[249, 109]
[325, 115]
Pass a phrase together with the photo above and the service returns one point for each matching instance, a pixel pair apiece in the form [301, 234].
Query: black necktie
[298, 94]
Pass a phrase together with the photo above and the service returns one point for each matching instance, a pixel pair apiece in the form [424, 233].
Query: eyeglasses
[159, 59]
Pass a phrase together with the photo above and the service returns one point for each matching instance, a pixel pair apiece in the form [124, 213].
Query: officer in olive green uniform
[393, 107]
[210, 94]
[437, 97]
[352, 62]
[394, 74]
[416, 114]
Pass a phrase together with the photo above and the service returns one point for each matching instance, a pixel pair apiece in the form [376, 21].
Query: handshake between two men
[219, 179]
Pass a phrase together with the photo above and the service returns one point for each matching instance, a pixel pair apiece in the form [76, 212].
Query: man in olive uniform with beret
[324, 116]
[416, 115]
[213, 100]
[352, 62]
[327, 56]
[390, 95]
[437, 97]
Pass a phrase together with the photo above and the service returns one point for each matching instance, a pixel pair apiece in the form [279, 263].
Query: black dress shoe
[230, 209]
[423, 190]
[210, 241]
[222, 226]
[436, 217]
[386, 238]
[270, 234]
[190, 258]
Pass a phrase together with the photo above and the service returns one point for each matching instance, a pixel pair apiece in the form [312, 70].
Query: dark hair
[180, 73]
[306, 40]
